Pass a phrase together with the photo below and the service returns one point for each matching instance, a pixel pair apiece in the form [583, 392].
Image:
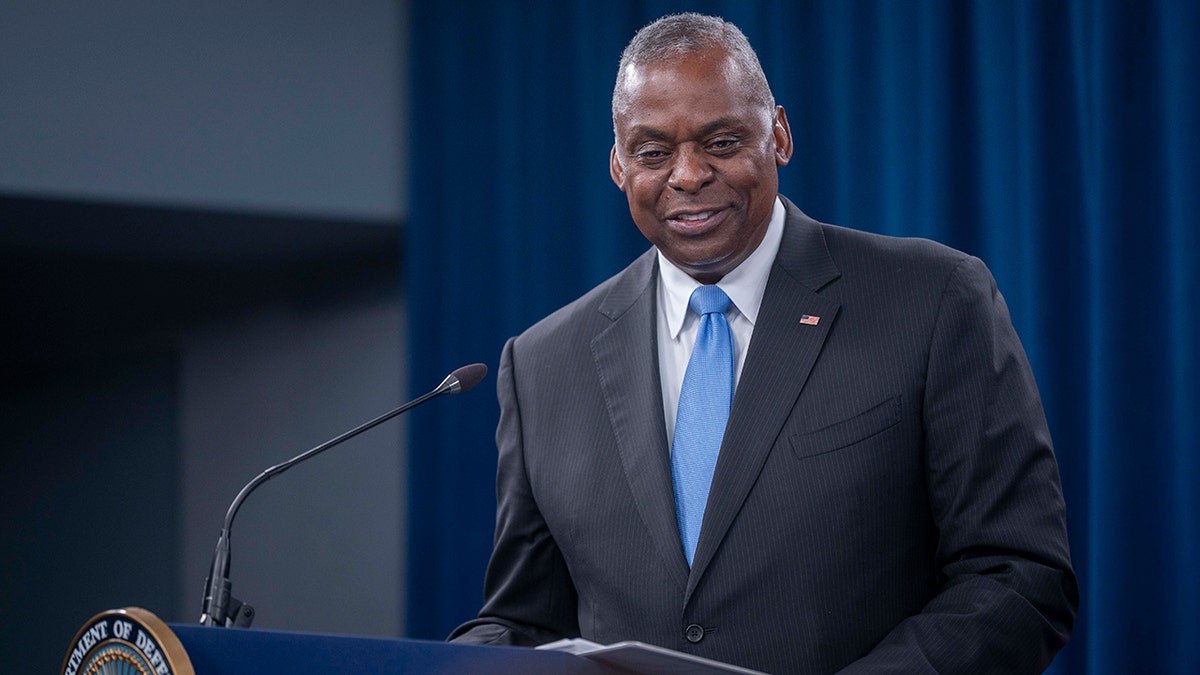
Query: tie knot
[708, 300]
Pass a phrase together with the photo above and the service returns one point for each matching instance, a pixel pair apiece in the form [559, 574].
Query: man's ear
[615, 169]
[783, 137]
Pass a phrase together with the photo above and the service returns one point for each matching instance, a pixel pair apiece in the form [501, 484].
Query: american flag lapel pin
[809, 320]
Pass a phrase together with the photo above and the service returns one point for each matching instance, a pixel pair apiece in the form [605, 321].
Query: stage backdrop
[1055, 140]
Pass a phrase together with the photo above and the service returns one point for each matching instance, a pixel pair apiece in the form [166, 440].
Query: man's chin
[705, 269]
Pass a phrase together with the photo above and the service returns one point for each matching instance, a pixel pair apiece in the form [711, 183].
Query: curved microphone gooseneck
[221, 608]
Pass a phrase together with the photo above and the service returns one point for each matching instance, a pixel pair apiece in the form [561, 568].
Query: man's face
[697, 158]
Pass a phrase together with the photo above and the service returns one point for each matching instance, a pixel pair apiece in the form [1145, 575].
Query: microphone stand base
[240, 614]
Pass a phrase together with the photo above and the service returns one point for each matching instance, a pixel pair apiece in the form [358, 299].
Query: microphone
[221, 608]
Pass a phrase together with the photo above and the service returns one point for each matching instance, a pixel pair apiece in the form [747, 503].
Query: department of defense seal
[130, 641]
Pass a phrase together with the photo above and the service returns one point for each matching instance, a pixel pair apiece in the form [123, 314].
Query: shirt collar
[744, 285]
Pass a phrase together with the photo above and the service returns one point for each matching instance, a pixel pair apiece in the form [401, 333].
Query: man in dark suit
[883, 496]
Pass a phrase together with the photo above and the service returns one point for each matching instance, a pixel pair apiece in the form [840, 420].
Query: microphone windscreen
[469, 376]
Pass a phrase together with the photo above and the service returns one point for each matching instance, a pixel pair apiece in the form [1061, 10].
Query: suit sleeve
[1008, 596]
[529, 598]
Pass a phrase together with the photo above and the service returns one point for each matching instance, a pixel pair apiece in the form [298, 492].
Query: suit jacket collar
[626, 358]
[781, 355]
[803, 253]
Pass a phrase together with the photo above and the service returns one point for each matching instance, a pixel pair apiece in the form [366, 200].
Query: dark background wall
[200, 221]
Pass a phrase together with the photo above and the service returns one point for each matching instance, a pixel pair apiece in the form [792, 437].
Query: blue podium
[230, 651]
[134, 640]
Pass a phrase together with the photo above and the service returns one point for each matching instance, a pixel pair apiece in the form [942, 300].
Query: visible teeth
[695, 216]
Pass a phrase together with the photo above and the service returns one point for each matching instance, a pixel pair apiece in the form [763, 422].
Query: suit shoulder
[906, 274]
[845, 242]
[921, 263]
[593, 310]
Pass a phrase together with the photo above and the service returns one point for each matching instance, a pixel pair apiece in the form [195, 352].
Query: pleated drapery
[1056, 140]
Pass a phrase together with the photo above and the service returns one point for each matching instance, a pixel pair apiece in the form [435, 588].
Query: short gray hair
[677, 35]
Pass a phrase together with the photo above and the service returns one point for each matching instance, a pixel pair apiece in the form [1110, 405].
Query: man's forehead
[656, 94]
[635, 76]
[649, 130]
[670, 81]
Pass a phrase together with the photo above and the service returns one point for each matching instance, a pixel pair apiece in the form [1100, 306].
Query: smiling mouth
[695, 222]
[694, 217]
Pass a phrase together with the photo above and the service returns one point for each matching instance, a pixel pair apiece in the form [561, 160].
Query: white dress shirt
[677, 325]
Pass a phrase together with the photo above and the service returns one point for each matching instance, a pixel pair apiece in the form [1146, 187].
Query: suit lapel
[782, 353]
[626, 358]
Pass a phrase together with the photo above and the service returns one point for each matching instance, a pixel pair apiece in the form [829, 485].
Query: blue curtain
[1056, 140]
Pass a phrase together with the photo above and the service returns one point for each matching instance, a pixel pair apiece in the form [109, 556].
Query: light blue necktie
[704, 404]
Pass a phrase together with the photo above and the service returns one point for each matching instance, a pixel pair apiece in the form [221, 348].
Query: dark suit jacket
[886, 497]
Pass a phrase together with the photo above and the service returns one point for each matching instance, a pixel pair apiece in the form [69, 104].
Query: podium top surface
[223, 651]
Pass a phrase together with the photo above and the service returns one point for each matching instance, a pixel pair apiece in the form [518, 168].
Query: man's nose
[690, 170]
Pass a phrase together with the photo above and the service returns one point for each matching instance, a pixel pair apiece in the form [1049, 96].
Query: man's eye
[651, 155]
[722, 144]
